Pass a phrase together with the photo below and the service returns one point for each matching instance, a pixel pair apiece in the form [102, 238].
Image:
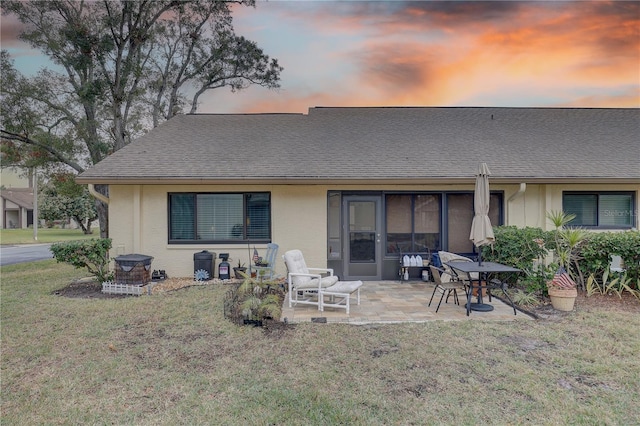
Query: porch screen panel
[220, 217]
[427, 222]
[495, 208]
[258, 216]
[182, 223]
[459, 216]
[333, 226]
[399, 223]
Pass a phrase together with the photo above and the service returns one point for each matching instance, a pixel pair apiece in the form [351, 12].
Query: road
[22, 253]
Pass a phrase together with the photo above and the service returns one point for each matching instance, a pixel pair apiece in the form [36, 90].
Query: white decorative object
[418, 260]
[109, 287]
[406, 275]
[406, 261]
[412, 261]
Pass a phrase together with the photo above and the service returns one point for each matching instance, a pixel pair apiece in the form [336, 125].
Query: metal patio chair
[446, 288]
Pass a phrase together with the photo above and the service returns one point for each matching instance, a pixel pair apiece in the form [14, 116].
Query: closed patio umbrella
[481, 230]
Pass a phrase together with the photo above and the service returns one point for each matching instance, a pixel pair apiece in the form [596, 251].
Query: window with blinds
[219, 218]
[600, 209]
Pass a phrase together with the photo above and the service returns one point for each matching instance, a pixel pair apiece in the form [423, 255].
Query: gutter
[518, 194]
[96, 194]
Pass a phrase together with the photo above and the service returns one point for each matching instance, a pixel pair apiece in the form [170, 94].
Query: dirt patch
[89, 289]
[86, 290]
[609, 302]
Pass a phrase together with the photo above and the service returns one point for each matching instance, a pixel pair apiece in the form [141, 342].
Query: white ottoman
[339, 295]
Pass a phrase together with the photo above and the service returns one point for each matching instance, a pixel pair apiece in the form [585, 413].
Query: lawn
[172, 358]
[46, 235]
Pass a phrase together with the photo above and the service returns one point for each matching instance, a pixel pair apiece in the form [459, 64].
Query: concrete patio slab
[395, 302]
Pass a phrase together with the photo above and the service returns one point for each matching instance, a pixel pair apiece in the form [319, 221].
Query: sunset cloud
[440, 53]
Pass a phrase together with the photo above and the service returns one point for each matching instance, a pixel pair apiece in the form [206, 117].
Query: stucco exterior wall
[138, 218]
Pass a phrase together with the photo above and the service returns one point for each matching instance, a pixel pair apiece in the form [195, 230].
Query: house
[17, 207]
[354, 187]
[16, 198]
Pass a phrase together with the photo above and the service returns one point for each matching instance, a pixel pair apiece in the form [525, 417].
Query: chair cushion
[313, 282]
[296, 264]
[345, 287]
[446, 256]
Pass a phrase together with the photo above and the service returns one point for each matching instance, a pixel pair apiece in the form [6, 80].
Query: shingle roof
[397, 144]
[20, 196]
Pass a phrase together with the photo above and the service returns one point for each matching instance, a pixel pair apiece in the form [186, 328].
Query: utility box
[204, 261]
[133, 269]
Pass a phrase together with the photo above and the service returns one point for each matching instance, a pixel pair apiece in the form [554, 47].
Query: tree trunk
[80, 223]
[103, 211]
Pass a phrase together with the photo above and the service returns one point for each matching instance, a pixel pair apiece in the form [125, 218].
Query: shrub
[520, 247]
[600, 246]
[254, 301]
[91, 254]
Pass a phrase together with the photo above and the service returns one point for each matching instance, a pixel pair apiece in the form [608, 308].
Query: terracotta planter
[563, 299]
[484, 289]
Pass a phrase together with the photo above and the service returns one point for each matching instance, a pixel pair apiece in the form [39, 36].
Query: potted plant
[240, 271]
[562, 291]
[562, 288]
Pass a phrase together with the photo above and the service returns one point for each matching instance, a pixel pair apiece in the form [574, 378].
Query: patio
[393, 302]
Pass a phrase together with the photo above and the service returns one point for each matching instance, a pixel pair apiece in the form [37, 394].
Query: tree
[63, 199]
[122, 67]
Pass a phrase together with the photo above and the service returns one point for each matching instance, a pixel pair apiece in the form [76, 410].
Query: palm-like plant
[260, 298]
[567, 243]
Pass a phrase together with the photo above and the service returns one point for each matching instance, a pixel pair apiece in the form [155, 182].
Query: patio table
[483, 269]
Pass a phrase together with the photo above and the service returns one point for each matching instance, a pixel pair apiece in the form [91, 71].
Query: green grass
[54, 235]
[173, 359]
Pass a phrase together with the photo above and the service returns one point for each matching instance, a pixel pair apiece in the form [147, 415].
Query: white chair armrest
[300, 274]
[326, 270]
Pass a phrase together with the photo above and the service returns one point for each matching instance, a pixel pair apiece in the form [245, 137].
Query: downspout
[96, 194]
[518, 194]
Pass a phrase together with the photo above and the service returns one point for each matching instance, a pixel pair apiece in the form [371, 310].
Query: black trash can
[203, 261]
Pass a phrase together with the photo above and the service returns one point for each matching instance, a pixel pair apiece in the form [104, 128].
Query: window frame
[245, 214]
[632, 213]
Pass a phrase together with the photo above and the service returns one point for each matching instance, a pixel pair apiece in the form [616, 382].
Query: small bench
[342, 290]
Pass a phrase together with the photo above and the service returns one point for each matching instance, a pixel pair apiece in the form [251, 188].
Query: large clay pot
[484, 289]
[563, 299]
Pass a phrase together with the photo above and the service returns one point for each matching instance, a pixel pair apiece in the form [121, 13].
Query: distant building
[16, 198]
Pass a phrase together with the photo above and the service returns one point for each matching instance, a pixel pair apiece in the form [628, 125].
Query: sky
[428, 53]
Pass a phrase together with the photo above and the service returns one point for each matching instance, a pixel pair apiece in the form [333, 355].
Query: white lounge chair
[310, 286]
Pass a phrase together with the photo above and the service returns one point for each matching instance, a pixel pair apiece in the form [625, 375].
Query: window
[600, 209]
[216, 218]
[413, 222]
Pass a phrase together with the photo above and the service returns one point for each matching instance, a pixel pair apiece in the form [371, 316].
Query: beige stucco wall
[138, 217]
